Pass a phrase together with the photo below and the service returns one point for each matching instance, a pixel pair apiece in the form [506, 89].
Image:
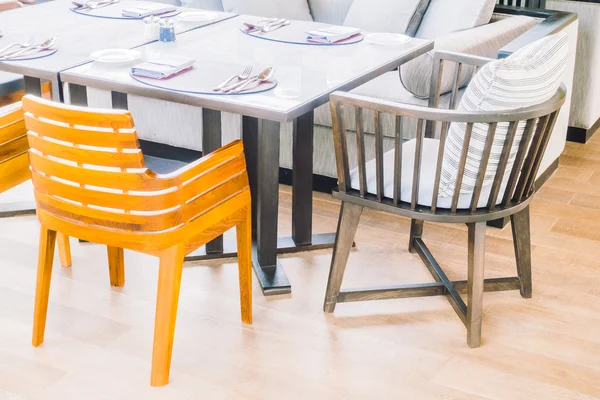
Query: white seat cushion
[426, 181]
[396, 16]
[529, 77]
[290, 9]
[444, 16]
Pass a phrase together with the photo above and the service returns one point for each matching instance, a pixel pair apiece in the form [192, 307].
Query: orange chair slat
[81, 136]
[12, 131]
[114, 119]
[13, 148]
[128, 201]
[107, 179]
[107, 219]
[87, 156]
[14, 172]
[214, 197]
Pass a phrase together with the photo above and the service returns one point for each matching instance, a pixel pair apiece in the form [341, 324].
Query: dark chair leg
[347, 224]
[522, 242]
[475, 283]
[416, 232]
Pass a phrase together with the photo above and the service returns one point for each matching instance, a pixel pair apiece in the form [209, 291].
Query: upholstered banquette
[464, 26]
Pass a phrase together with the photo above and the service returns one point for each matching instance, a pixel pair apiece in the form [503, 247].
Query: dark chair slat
[438, 172]
[527, 170]
[340, 147]
[485, 158]
[461, 167]
[502, 163]
[360, 151]
[379, 155]
[519, 160]
[417, 166]
[455, 84]
[398, 159]
[542, 150]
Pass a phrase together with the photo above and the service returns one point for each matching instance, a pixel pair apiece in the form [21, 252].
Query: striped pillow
[528, 77]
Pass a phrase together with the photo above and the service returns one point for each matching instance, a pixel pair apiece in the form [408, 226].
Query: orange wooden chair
[92, 182]
[14, 164]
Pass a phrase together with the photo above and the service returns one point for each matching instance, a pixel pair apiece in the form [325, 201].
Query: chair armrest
[218, 159]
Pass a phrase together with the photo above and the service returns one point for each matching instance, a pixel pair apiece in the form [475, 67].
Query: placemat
[204, 78]
[295, 33]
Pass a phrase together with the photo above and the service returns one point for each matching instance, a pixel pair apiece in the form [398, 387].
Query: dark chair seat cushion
[163, 165]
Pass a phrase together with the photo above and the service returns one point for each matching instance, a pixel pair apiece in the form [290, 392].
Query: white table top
[78, 35]
[307, 75]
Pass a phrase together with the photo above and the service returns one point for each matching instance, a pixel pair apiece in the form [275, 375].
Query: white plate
[197, 16]
[387, 39]
[116, 56]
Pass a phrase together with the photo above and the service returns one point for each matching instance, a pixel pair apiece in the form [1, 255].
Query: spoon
[28, 43]
[264, 76]
[40, 47]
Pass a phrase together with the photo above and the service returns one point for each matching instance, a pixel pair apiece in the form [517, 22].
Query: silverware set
[244, 81]
[93, 4]
[267, 25]
[16, 50]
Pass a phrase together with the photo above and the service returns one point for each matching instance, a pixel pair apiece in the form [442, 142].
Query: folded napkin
[163, 67]
[145, 10]
[331, 34]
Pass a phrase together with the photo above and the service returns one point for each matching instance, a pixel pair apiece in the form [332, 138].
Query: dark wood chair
[505, 197]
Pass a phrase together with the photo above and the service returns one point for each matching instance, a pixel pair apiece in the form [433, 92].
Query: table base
[272, 279]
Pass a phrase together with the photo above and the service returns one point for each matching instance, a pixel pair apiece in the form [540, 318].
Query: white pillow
[290, 9]
[445, 16]
[396, 16]
[528, 77]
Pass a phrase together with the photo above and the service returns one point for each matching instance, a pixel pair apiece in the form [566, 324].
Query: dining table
[305, 74]
[76, 37]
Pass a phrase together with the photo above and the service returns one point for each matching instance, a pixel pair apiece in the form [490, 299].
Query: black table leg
[302, 153]
[32, 86]
[302, 182]
[262, 158]
[211, 141]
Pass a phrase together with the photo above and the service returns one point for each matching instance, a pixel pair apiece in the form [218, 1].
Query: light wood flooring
[98, 339]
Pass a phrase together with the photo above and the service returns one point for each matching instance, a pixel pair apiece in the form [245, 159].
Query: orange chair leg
[244, 245]
[169, 281]
[64, 250]
[42, 290]
[116, 266]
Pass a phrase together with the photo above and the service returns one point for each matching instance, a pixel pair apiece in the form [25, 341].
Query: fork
[28, 43]
[241, 77]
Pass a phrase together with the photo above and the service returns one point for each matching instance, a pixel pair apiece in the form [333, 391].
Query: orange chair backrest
[86, 167]
[13, 147]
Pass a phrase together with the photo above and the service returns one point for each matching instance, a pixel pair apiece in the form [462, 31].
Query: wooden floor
[98, 340]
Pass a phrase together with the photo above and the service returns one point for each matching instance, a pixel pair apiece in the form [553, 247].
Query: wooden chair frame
[515, 202]
[90, 182]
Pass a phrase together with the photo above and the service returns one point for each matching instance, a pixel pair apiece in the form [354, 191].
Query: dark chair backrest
[538, 124]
